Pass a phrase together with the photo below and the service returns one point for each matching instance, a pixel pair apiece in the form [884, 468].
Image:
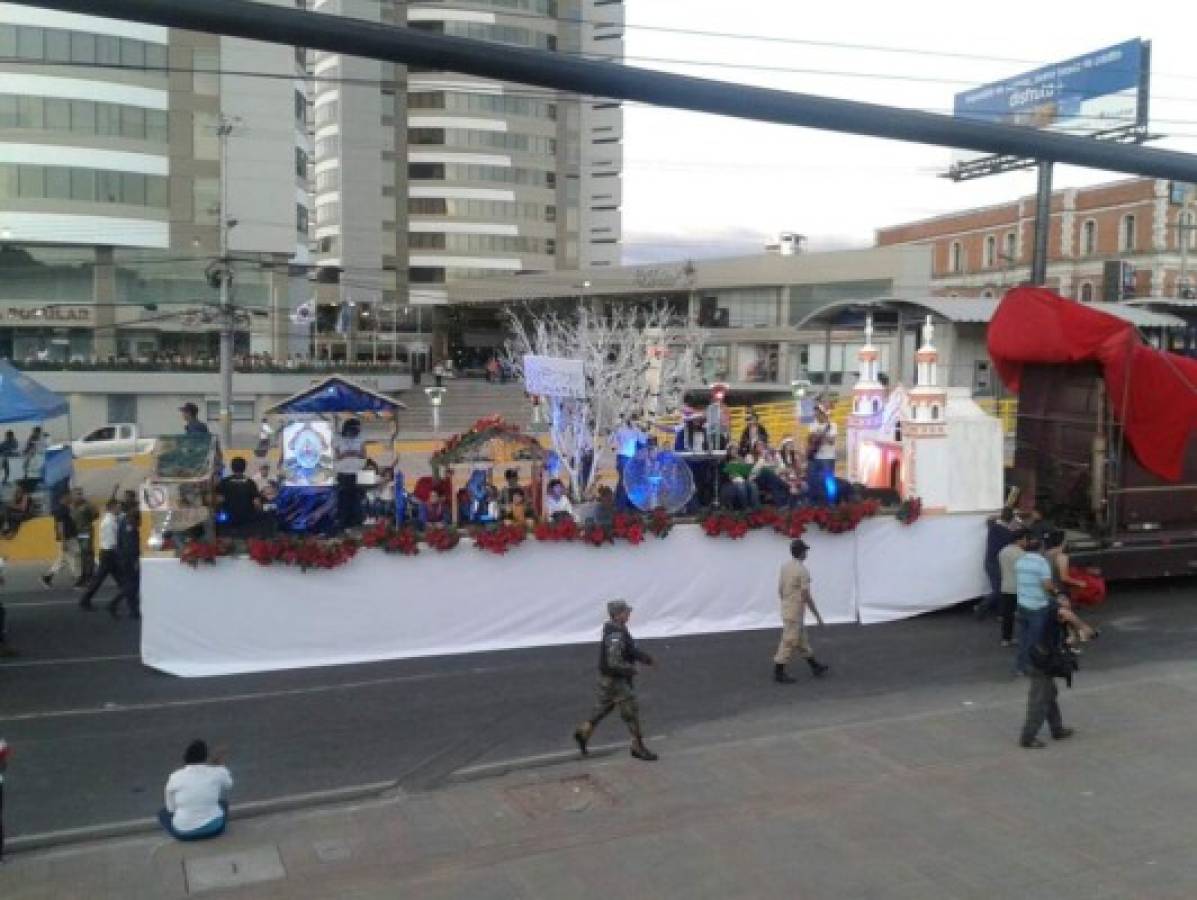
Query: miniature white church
[931, 442]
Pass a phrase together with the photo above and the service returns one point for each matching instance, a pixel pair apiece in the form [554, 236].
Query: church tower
[924, 429]
[868, 398]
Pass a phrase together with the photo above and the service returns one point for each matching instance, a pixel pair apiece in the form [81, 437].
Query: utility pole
[1043, 220]
[1184, 227]
[227, 323]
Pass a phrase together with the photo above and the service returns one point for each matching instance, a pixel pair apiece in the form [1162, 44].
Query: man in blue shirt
[191, 422]
[1033, 587]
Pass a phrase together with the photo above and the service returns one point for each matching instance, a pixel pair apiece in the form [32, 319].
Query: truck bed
[1137, 524]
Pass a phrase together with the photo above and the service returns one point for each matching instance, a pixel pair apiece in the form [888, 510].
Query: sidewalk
[933, 804]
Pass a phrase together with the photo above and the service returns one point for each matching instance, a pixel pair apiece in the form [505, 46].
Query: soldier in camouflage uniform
[618, 656]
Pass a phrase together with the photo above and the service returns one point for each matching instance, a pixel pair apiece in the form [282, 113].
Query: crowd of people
[1035, 588]
[756, 472]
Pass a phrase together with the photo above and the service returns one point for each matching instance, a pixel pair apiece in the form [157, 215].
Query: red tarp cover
[1153, 394]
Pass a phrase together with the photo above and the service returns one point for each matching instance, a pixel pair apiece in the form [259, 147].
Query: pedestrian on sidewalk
[618, 656]
[196, 796]
[1049, 659]
[109, 561]
[1007, 560]
[999, 533]
[68, 542]
[794, 590]
[1034, 587]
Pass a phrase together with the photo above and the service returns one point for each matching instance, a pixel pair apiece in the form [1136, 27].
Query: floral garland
[499, 539]
[792, 523]
[313, 553]
[481, 431]
[195, 552]
[304, 553]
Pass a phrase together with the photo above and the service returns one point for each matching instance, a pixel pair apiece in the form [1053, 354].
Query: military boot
[781, 676]
[642, 752]
[582, 736]
[817, 668]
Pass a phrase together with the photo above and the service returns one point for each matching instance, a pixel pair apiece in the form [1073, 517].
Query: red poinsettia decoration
[403, 541]
[730, 524]
[560, 530]
[304, 553]
[660, 523]
[195, 552]
[442, 539]
[500, 538]
[910, 511]
[627, 527]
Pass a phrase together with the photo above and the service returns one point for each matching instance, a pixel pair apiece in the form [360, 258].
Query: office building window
[239, 410]
[1010, 242]
[83, 117]
[1086, 292]
[1089, 238]
[85, 185]
[990, 251]
[122, 408]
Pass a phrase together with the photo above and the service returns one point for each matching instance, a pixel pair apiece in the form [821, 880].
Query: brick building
[982, 252]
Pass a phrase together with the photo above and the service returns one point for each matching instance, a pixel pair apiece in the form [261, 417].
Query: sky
[701, 186]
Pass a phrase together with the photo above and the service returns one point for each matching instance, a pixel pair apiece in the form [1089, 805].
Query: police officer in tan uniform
[794, 590]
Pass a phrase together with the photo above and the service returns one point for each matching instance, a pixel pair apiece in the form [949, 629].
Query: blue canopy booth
[22, 399]
[310, 428]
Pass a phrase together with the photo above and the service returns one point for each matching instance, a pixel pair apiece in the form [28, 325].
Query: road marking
[22, 604]
[65, 661]
[109, 707]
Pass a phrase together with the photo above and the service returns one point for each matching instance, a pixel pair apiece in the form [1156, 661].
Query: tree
[637, 362]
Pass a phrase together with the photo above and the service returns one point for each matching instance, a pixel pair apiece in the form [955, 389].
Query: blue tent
[24, 400]
[337, 395]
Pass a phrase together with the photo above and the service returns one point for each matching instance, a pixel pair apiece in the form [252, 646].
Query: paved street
[94, 733]
[897, 777]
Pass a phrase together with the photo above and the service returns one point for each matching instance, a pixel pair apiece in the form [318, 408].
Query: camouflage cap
[616, 607]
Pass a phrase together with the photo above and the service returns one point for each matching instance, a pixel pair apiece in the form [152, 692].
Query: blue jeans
[1030, 629]
[212, 829]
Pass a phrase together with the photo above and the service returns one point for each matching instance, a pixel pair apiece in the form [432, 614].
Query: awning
[24, 400]
[980, 310]
[336, 394]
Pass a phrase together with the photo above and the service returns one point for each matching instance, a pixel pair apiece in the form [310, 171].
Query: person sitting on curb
[196, 796]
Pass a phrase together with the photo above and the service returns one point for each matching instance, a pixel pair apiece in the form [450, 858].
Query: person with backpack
[1050, 659]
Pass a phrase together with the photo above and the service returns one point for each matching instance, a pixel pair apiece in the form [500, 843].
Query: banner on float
[308, 459]
[554, 376]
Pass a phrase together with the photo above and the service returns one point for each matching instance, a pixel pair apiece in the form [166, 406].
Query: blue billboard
[1095, 92]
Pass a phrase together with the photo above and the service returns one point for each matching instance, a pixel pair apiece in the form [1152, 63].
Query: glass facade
[83, 117]
[83, 185]
[30, 43]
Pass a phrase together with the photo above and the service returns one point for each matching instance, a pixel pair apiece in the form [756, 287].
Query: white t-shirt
[355, 461]
[554, 506]
[827, 447]
[193, 794]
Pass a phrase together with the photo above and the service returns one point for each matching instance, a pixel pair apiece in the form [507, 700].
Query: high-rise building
[424, 179]
[110, 187]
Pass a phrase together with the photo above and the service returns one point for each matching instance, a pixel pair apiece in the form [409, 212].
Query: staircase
[466, 401]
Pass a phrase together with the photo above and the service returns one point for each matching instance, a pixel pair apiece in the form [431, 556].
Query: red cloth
[1094, 591]
[1152, 393]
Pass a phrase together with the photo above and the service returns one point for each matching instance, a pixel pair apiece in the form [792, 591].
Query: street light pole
[227, 325]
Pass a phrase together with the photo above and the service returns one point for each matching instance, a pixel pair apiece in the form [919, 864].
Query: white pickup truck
[112, 440]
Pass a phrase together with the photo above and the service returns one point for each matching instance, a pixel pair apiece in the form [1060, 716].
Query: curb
[537, 761]
[248, 810]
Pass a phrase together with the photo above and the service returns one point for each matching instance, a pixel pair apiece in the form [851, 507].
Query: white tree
[637, 362]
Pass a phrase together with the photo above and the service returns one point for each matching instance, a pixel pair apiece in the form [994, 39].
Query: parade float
[396, 592]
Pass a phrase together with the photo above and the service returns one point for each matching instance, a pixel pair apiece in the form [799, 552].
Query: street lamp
[799, 388]
[436, 396]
